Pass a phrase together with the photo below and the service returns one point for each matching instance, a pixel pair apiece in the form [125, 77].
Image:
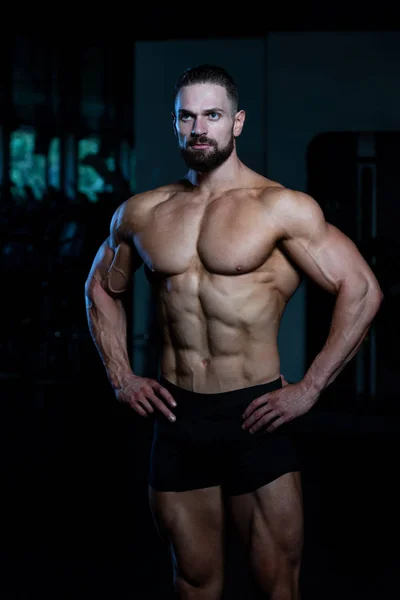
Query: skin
[225, 251]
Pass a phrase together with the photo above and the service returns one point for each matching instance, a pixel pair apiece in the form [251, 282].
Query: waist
[203, 418]
[218, 373]
[237, 397]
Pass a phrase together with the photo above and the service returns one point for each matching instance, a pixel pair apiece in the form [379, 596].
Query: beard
[208, 159]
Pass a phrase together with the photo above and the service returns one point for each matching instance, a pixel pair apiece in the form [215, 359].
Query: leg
[270, 523]
[191, 523]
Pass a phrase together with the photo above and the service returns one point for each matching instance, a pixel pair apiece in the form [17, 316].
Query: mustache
[201, 140]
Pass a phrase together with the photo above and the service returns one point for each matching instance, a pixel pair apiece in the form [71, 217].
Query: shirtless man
[224, 249]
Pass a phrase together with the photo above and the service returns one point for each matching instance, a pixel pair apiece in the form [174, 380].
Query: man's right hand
[144, 396]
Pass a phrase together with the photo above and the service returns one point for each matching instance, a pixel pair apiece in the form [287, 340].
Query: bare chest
[224, 238]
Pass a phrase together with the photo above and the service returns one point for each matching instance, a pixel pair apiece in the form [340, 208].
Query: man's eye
[213, 115]
[185, 117]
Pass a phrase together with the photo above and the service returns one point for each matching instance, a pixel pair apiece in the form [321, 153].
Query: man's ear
[239, 122]
[174, 122]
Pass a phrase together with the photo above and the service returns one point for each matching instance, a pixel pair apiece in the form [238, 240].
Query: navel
[206, 361]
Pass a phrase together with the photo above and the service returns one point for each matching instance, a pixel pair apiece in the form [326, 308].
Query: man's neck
[225, 177]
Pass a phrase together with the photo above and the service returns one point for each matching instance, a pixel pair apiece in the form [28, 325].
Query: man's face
[205, 126]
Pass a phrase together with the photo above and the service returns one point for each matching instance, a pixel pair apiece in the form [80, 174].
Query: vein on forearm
[351, 320]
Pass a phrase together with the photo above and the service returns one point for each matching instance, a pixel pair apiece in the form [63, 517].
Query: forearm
[107, 325]
[351, 320]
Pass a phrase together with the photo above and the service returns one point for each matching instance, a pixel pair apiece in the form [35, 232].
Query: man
[224, 249]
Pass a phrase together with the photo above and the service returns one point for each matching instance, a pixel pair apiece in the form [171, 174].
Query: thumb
[284, 382]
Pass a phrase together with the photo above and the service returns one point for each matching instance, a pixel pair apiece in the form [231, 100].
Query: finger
[146, 405]
[258, 414]
[263, 422]
[140, 410]
[275, 424]
[255, 404]
[133, 403]
[165, 393]
[161, 406]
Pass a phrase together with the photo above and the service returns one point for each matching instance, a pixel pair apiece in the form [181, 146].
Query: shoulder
[295, 212]
[132, 214]
[284, 199]
[142, 201]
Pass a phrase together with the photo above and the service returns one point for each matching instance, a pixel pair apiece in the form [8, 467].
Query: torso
[221, 283]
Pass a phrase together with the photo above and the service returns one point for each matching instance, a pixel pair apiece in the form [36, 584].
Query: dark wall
[76, 518]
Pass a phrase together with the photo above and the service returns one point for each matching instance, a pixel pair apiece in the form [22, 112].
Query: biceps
[329, 261]
[120, 271]
[113, 268]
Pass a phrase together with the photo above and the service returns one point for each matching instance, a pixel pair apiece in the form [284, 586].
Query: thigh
[270, 519]
[192, 524]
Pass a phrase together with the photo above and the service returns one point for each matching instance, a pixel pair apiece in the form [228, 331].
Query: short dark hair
[208, 74]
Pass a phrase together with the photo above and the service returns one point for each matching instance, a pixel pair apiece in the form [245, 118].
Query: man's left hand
[280, 406]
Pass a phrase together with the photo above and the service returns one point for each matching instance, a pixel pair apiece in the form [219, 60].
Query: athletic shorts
[206, 445]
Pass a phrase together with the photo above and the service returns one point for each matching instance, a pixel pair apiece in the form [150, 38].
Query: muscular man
[225, 249]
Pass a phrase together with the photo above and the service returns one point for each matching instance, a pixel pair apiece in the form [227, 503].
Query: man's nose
[199, 126]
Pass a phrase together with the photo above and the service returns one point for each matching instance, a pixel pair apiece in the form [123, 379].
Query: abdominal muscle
[219, 333]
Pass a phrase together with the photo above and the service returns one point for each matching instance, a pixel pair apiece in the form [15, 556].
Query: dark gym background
[84, 124]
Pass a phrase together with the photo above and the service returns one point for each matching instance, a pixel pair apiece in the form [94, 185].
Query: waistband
[229, 398]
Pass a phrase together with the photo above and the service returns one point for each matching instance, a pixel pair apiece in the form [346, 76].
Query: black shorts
[206, 445]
